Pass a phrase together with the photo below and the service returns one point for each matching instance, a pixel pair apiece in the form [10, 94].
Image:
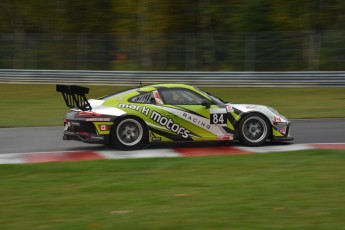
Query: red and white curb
[41, 157]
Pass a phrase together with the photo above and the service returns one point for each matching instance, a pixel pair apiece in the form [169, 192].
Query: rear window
[143, 98]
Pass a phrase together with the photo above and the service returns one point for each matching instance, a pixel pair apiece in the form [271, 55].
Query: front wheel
[254, 130]
[130, 133]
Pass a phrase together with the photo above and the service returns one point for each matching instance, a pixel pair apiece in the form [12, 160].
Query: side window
[180, 97]
[146, 98]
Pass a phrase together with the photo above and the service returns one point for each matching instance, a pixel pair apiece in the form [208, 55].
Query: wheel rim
[254, 129]
[129, 132]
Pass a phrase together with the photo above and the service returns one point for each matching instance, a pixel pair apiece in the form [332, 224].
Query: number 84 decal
[217, 116]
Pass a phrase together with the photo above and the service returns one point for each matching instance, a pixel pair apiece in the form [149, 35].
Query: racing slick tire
[129, 133]
[254, 130]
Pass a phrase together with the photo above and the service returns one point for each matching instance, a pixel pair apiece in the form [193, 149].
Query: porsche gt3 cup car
[133, 118]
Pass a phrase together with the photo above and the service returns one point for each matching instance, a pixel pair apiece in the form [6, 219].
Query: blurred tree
[149, 26]
[172, 35]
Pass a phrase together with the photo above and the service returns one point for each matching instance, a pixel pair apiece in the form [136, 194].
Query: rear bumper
[82, 131]
[87, 138]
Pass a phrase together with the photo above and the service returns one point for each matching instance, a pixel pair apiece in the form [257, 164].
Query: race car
[134, 118]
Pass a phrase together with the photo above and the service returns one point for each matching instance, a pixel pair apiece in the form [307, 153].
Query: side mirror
[206, 103]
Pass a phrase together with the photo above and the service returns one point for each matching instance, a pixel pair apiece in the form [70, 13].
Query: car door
[195, 113]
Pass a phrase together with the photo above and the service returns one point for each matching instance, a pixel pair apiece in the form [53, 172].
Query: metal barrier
[214, 79]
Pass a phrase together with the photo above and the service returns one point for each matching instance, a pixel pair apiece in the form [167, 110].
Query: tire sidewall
[242, 136]
[115, 139]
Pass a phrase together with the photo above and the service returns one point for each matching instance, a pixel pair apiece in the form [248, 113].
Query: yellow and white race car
[133, 118]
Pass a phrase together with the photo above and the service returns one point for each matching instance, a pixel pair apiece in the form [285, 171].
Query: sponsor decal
[229, 108]
[251, 107]
[127, 106]
[169, 124]
[218, 110]
[200, 121]
[195, 120]
[218, 117]
[156, 139]
[143, 109]
[277, 119]
[97, 138]
[162, 120]
[225, 138]
[281, 130]
[104, 127]
[97, 119]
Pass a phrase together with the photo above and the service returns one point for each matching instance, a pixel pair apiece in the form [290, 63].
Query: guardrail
[216, 79]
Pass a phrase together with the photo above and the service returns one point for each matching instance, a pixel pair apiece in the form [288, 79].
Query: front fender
[272, 117]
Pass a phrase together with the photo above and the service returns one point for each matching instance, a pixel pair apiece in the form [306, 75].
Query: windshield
[215, 99]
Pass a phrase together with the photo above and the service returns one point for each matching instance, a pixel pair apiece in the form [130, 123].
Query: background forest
[218, 35]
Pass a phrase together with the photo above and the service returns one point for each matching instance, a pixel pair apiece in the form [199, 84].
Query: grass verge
[294, 190]
[40, 105]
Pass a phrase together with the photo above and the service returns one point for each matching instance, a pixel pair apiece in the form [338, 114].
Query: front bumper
[282, 132]
[282, 139]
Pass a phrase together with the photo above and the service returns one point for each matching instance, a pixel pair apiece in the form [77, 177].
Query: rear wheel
[254, 130]
[130, 133]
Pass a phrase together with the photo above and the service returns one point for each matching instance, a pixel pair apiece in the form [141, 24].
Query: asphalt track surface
[47, 139]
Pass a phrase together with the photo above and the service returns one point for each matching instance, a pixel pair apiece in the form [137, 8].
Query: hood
[272, 114]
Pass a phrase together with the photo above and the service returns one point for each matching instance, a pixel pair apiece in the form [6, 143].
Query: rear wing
[74, 96]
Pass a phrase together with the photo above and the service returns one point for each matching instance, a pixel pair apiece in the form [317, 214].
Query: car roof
[168, 85]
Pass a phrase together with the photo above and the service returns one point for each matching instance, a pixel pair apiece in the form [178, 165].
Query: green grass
[40, 105]
[293, 190]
